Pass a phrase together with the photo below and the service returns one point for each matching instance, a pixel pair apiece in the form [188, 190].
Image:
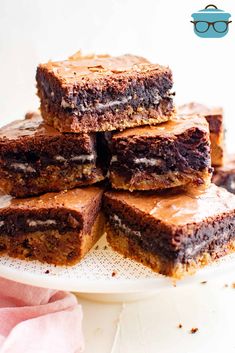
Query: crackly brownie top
[176, 126]
[32, 125]
[198, 108]
[214, 116]
[182, 208]
[76, 200]
[78, 70]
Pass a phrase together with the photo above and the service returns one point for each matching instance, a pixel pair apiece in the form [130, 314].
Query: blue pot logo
[211, 22]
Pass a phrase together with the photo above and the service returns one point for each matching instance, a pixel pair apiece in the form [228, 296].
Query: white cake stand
[104, 275]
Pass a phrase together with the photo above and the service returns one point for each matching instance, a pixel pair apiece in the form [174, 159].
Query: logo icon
[211, 22]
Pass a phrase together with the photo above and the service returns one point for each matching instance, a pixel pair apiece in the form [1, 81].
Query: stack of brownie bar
[214, 117]
[113, 118]
[186, 222]
[223, 163]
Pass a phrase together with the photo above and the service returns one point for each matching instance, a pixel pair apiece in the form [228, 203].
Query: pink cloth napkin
[37, 320]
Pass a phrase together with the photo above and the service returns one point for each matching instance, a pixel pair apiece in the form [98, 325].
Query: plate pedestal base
[116, 297]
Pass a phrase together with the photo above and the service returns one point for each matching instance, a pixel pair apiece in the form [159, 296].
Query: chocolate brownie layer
[36, 158]
[214, 116]
[175, 232]
[56, 228]
[104, 93]
[225, 176]
[175, 153]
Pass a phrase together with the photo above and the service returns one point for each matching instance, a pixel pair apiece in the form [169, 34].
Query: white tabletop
[151, 325]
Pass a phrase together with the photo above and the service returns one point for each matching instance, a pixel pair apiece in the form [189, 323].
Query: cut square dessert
[104, 93]
[173, 234]
[58, 228]
[214, 116]
[225, 176]
[172, 154]
[36, 158]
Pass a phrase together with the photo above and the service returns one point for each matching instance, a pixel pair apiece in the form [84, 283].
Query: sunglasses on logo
[203, 26]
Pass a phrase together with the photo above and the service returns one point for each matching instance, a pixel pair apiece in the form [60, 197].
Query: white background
[34, 31]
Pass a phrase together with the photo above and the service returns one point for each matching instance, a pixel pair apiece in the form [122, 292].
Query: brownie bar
[57, 228]
[104, 93]
[173, 234]
[36, 158]
[214, 116]
[172, 154]
[225, 176]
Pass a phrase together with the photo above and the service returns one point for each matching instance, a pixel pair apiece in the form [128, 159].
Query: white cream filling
[81, 158]
[99, 106]
[60, 158]
[26, 168]
[1, 223]
[194, 249]
[148, 161]
[124, 227]
[65, 104]
[157, 98]
[114, 159]
[23, 167]
[33, 223]
[191, 251]
[113, 103]
[144, 160]
[5, 201]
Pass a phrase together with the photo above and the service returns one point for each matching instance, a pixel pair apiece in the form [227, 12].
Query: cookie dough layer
[149, 181]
